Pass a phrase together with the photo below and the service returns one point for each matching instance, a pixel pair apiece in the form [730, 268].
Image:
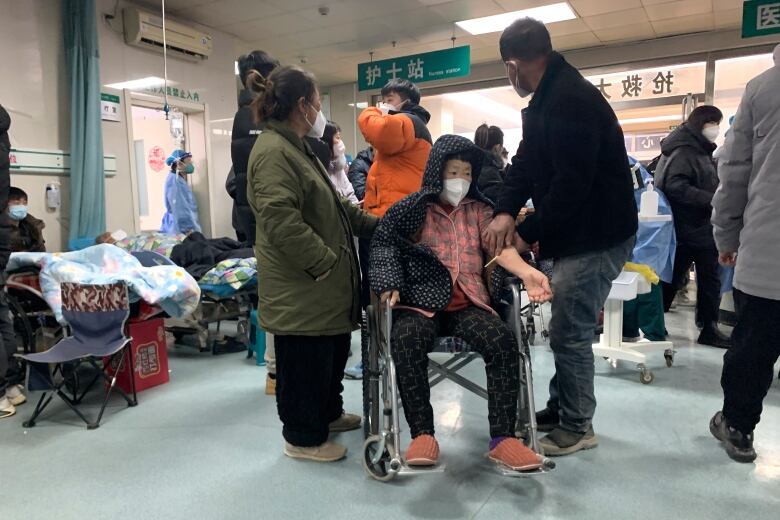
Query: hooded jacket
[401, 144]
[686, 174]
[5, 184]
[358, 171]
[245, 132]
[746, 214]
[573, 163]
[413, 269]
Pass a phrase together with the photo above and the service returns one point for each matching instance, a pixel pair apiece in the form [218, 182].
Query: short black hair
[404, 88]
[702, 115]
[17, 194]
[468, 156]
[331, 129]
[526, 39]
[260, 61]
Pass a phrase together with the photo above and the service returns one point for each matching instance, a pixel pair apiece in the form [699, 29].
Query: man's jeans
[10, 371]
[580, 286]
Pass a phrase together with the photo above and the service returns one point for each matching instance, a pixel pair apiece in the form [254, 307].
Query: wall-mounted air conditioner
[144, 29]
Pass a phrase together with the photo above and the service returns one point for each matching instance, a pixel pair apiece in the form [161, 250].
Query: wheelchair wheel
[377, 469]
[25, 336]
[369, 356]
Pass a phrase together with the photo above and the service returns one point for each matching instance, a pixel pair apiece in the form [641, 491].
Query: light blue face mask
[17, 212]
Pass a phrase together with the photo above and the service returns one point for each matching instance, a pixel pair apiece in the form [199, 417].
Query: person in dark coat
[26, 233]
[245, 132]
[358, 171]
[574, 167]
[490, 139]
[687, 174]
[11, 374]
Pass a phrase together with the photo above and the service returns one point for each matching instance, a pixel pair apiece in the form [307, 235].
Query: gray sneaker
[561, 442]
[326, 452]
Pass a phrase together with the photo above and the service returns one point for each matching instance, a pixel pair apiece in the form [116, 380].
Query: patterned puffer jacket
[397, 262]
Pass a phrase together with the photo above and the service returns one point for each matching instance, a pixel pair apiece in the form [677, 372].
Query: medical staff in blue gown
[181, 209]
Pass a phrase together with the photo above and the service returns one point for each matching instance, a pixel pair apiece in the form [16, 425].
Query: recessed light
[135, 84]
[547, 14]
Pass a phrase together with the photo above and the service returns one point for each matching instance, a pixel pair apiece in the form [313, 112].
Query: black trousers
[748, 366]
[309, 370]
[11, 372]
[414, 336]
[707, 281]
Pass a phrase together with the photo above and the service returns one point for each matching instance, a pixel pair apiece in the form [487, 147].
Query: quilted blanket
[170, 287]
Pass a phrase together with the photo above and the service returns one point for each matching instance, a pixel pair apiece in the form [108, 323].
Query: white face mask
[455, 190]
[711, 133]
[317, 129]
[518, 89]
[339, 148]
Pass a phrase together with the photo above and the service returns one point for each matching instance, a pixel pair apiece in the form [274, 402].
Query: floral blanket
[236, 273]
[157, 242]
[169, 287]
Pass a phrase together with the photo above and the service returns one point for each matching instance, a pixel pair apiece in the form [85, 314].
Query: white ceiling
[333, 45]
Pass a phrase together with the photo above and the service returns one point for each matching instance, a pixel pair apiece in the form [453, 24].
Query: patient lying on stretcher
[194, 252]
[428, 258]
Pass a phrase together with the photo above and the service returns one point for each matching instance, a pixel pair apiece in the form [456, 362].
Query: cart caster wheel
[646, 377]
[669, 356]
[379, 470]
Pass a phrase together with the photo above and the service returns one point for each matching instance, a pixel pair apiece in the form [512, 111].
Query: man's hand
[392, 296]
[537, 285]
[499, 234]
[727, 258]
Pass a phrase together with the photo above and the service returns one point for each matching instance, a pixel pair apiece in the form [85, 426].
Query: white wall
[213, 79]
[35, 92]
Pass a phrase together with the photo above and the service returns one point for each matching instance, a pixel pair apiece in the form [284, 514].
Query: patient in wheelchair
[428, 260]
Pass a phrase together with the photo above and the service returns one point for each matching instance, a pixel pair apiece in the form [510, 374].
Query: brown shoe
[423, 451]
[347, 422]
[515, 455]
[270, 385]
[326, 452]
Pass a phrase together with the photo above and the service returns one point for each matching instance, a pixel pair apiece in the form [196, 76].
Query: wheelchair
[382, 451]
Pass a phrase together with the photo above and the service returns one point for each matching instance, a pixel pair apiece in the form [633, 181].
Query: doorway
[150, 142]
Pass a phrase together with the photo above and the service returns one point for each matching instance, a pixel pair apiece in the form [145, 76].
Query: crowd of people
[416, 221]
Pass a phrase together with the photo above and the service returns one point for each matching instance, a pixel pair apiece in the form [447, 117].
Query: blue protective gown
[181, 209]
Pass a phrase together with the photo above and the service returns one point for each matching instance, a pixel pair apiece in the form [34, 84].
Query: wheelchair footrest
[547, 467]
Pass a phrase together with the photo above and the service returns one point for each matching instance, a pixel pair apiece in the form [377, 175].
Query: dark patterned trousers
[414, 336]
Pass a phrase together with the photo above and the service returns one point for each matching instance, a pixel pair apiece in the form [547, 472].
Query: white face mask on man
[511, 70]
[317, 129]
[455, 190]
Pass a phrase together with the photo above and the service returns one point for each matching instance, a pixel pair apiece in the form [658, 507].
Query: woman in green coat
[309, 277]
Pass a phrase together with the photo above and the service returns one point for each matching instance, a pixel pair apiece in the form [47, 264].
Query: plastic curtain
[87, 179]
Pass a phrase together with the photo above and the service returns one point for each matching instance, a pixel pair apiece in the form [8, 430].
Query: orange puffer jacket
[401, 142]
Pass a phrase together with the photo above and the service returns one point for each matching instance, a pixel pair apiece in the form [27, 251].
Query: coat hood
[416, 110]
[445, 146]
[684, 136]
[245, 98]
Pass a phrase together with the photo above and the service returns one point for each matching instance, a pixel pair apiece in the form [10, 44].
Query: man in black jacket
[245, 132]
[575, 168]
[10, 373]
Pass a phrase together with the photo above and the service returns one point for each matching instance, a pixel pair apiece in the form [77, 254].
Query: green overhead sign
[429, 66]
[760, 18]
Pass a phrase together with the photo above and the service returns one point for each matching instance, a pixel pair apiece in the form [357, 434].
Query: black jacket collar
[555, 64]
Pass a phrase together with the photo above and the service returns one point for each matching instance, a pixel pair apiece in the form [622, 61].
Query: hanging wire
[166, 107]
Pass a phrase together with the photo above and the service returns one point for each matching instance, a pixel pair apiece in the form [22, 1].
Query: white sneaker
[14, 395]
[6, 408]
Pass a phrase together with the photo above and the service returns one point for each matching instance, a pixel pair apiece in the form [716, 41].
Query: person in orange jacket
[396, 129]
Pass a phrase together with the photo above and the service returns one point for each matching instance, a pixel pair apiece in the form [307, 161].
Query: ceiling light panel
[552, 13]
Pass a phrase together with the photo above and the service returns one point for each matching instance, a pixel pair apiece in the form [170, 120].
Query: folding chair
[96, 315]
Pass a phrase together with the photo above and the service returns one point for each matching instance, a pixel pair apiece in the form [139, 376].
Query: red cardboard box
[149, 354]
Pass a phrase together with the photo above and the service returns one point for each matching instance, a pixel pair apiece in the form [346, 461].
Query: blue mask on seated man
[17, 212]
